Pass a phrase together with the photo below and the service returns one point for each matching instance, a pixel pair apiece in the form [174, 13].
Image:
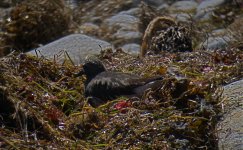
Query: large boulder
[78, 46]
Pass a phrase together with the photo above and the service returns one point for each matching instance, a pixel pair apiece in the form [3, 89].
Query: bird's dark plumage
[102, 86]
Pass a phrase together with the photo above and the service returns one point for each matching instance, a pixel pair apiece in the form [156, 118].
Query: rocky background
[84, 27]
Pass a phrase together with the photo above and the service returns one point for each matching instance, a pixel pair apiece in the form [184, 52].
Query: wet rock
[230, 128]
[78, 46]
[131, 48]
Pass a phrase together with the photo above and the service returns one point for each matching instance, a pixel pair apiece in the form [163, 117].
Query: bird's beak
[80, 73]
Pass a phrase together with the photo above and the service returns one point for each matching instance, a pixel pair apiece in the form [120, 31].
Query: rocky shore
[195, 44]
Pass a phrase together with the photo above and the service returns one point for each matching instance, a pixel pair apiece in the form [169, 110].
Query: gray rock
[230, 129]
[132, 12]
[184, 17]
[163, 7]
[216, 42]
[126, 22]
[128, 36]
[122, 28]
[78, 46]
[131, 48]
[184, 6]
[155, 2]
[206, 7]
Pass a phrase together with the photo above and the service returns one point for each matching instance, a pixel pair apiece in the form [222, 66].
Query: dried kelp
[42, 103]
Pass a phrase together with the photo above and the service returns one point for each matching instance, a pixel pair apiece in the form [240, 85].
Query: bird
[102, 86]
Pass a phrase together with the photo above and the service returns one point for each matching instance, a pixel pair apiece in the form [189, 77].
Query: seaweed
[43, 106]
[34, 22]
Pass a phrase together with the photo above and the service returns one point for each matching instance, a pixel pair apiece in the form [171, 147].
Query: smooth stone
[183, 17]
[230, 129]
[78, 46]
[122, 29]
[131, 48]
[155, 2]
[131, 12]
[206, 7]
[128, 36]
[183, 6]
[126, 22]
[216, 42]
[163, 7]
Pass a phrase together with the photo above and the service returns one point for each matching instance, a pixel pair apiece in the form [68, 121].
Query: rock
[121, 29]
[183, 6]
[131, 48]
[122, 21]
[182, 17]
[90, 29]
[78, 46]
[231, 127]
[216, 42]
[155, 2]
[163, 7]
[132, 12]
[127, 36]
[206, 7]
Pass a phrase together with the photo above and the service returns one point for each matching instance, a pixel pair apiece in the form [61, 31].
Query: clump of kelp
[43, 106]
[33, 22]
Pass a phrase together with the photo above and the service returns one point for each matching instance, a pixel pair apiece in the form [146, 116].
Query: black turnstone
[102, 86]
